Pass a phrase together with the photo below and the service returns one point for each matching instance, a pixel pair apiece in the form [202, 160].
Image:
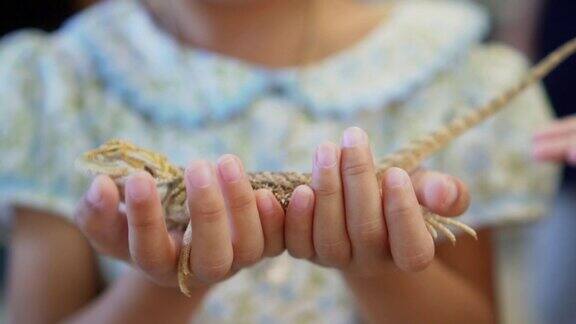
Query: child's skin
[368, 235]
[365, 235]
[342, 221]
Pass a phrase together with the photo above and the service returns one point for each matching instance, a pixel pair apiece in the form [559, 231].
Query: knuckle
[334, 253]
[402, 210]
[247, 257]
[241, 202]
[358, 166]
[460, 207]
[213, 270]
[274, 247]
[208, 211]
[143, 224]
[463, 203]
[300, 253]
[327, 184]
[416, 261]
[139, 205]
[368, 233]
[153, 266]
[86, 219]
[83, 220]
[327, 190]
[273, 251]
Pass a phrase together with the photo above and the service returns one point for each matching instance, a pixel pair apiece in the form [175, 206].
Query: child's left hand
[346, 222]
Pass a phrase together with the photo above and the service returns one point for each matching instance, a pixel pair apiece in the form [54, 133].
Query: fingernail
[436, 186]
[301, 198]
[326, 155]
[138, 188]
[452, 194]
[354, 136]
[199, 174]
[396, 178]
[267, 204]
[229, 168]
[94, 194]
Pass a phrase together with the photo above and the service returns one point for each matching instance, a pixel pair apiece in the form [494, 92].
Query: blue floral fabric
[112, 73]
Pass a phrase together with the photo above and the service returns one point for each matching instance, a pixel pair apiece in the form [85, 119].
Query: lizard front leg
[184, 262]
[435, 223]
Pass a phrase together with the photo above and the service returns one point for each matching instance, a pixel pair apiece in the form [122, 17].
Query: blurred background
[535, 27]
[45, 15]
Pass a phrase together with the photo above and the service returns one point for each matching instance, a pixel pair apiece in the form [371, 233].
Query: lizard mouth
[96, 166]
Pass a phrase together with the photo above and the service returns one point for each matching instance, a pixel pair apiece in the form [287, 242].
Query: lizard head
[119, 159]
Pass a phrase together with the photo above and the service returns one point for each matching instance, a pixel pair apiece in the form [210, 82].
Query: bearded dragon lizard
[119, 159]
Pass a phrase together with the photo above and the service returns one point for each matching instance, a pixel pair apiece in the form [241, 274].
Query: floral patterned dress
[111, 72]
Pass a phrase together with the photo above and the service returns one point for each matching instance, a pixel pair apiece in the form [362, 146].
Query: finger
[552, 150]
[441, 194]
[272, 220]
[411, 245]
[98, 218]
[299, 218]
[331, 242]
[571, 155]
[150, 244]
[364, 218]
[559, 128]
[247, 236]
[211, 254]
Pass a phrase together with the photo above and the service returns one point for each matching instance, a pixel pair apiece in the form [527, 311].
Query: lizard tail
[418, 150]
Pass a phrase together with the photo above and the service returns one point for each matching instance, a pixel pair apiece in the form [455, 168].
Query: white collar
[188, 86]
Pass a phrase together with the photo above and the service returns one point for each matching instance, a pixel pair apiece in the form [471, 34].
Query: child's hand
[557, 142]
[229, 231]
[346, 223]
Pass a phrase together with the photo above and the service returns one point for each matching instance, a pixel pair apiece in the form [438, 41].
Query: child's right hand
[215, 196]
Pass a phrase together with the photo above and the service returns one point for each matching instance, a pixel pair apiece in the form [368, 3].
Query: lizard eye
[149, 170]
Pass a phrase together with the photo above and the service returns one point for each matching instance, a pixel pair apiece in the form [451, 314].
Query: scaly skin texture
[119, 159]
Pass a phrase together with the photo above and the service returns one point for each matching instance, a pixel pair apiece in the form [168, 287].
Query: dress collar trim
[171, 84]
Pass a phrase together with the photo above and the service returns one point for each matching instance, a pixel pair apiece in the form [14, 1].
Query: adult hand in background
[556, 142]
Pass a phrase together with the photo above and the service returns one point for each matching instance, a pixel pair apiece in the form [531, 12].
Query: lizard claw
[435, 223]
